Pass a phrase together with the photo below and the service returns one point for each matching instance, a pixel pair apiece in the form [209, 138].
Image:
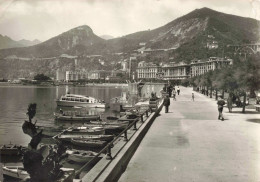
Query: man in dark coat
[166, 103]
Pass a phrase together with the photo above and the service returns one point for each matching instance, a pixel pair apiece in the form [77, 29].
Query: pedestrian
[192, 96]
[169, 90]
[230, 102]
[166, 103]
[221, 104]
[174, 94]
[178, 90]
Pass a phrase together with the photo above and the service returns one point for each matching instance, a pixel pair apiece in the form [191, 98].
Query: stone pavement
[191, 144]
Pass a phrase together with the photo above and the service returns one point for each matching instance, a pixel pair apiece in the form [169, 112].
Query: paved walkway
[190, 144]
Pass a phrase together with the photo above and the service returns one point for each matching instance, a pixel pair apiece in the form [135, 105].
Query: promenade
[190, 144]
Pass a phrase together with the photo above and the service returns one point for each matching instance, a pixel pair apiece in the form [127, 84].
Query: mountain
[27, 43]
[187, 35]
[6, 42]
[186, 31]
[77, 40]
[106, 37]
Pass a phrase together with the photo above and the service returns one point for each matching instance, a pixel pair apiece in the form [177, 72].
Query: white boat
[72, 100]
[17, 172]
[64, 137]
[80, 156]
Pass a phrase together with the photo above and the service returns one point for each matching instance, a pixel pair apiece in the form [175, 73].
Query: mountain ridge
[179, 33]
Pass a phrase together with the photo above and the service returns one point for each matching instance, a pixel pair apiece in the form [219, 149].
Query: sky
[44, 19]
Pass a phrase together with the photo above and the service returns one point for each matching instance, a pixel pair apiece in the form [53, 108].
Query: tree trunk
[223, 93]
[216, 94]
[244, 103]
[207, 91]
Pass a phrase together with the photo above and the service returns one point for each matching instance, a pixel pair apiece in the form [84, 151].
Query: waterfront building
[178, 71]
[147, 70]
[175, 71]
[60, 75]
[200, 67]
[75, 76]
[98, 74]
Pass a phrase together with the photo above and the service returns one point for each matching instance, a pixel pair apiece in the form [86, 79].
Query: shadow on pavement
[254, 120]
[246, 112]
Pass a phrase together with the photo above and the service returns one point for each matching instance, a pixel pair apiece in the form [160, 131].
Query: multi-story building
[75, 76]
[180, 70]
[175, 71]
[98, 74]
[200, 67]
[147, 70]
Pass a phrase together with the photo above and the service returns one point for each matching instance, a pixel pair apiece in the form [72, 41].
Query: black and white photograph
[129, 90]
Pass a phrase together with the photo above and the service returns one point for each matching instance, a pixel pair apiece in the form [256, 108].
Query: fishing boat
[64, 137]
[80, 156]
[11, 149]
[72, 100]
[88, 143]
[18, 172]
[83, 130]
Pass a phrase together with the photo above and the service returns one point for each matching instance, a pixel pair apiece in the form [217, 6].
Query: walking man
[178, 90]
[221, 104]
[166, 103]
[192, 96]
[174, 94]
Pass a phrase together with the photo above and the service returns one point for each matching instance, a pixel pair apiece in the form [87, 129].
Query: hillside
[73, 41]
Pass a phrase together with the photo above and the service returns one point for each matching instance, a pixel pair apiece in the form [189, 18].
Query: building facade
[175, 71]
[180, 70]
[200, 67]
[75, 76]
[147, 70]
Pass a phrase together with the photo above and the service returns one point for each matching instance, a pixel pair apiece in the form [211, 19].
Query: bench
[257, 108]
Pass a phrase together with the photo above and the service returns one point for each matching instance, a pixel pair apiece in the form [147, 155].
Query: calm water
[14, 101]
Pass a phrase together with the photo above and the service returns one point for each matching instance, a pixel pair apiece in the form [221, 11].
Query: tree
[41, 77]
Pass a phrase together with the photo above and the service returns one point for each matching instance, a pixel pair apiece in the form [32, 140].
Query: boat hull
[88, 143]
[81, 104]
[15, 172]
[76, 118]
[65, 137]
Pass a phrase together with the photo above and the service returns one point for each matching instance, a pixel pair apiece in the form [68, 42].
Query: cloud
[43, 19]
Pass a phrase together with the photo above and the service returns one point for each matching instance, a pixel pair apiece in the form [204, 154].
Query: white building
[200, 67]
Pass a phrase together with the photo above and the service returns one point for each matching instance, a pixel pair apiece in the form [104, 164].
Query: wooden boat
[75, 117]
[80, 156]
[64, 137]
[18, 172]
[10, 149]
[85, 131]
[72, 100]
[88, 143]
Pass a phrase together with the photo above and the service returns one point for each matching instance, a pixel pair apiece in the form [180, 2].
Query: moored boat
[80, 156]
[64, 137]
[88, 143]
[75, 117]
[72, 100]
[85, 131]
[17, 172]
[11, 149]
